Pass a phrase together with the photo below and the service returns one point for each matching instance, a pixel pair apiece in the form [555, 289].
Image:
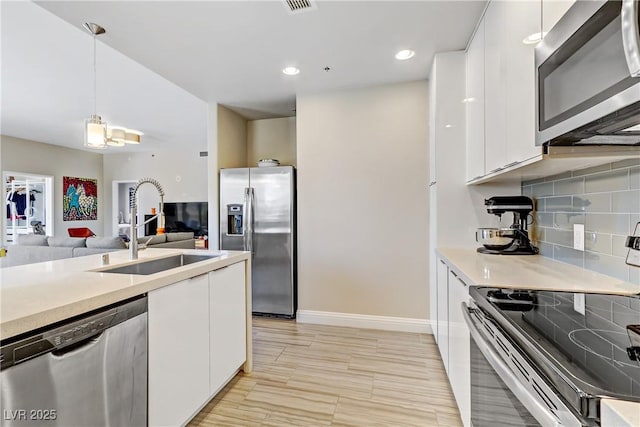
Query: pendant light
[95, 130]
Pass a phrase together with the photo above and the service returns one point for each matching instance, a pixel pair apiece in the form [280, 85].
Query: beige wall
[272, 139]
[30, 157]
[232, 139]
[362, 201]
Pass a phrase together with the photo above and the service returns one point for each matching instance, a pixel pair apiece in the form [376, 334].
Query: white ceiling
[229, 52]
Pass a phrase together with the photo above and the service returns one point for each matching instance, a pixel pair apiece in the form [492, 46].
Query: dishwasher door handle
[78, 347]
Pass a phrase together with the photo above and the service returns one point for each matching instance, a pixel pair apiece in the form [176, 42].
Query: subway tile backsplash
[606, 199]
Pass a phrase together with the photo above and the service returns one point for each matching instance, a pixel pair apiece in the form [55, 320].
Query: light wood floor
[312, 375]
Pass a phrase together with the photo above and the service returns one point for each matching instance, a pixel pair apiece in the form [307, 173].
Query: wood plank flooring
[313, 375]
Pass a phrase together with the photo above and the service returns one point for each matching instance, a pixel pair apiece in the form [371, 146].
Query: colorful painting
[79, 199]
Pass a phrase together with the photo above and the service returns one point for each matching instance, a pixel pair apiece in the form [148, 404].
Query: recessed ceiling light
[291, 71]
[405, 54]
[534, 38]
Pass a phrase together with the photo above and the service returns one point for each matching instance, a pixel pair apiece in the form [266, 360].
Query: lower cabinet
[459, 351]
[228, 321]
[197, 341]
[178, 351]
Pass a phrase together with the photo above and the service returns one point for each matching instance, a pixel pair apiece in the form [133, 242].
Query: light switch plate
[633, 256]
[578, 237]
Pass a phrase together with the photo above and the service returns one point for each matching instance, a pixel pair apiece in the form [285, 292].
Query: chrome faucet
[133, 244]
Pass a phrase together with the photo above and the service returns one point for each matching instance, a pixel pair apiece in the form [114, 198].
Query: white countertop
[616, 413]
[36, 295]
[532, 272]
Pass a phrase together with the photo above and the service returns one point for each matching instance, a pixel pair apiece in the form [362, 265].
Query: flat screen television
[183, 216]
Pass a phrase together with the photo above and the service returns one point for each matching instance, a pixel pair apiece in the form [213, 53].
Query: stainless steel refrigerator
[257, 214]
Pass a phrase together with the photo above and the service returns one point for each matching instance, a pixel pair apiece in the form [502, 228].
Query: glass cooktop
[593, 340]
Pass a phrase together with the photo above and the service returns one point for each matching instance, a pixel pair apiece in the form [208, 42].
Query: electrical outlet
[578, 303]
[578, 237]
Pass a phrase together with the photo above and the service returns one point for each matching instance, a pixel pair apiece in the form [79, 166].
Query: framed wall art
[79, 199]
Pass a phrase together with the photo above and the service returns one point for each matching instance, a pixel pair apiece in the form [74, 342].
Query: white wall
[362, 201]
[182, 174]
[272, 139]
[31, 157]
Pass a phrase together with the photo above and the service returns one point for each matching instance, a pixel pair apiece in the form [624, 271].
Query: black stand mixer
[508, 241]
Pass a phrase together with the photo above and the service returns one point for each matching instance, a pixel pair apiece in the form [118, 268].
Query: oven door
[505, 389]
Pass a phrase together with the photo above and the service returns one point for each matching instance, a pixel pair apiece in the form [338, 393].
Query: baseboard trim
[364, 321]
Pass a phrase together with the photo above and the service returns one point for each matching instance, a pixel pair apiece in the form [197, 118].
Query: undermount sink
[157, 265]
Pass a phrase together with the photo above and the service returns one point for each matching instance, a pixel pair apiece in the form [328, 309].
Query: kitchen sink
[157, 265]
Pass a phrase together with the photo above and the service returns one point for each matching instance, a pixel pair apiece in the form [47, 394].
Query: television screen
[183, 216]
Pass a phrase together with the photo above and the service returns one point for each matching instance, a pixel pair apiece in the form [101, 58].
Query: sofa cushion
[106, 243]
[184, 235]
[67, 242]
[32, 240]
[158, 238]
[18, 255]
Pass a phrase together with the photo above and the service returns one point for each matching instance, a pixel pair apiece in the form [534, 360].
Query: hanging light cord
[95, 79]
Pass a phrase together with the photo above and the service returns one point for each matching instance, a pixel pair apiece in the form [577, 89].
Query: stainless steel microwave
[588, 76]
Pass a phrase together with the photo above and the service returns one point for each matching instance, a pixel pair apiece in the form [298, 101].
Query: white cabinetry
[453, 336]
[523, 19]
[228, 345]
[552, 11]
[501, 123]
[495, 91]
[443, 313]
[178, 351]
[474, 102]
[197, 341]
[459, 351]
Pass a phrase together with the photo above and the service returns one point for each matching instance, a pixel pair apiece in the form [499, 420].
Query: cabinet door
[459, 352]
[475, 105]
[522, 20]
[228, 323]
[443, 316]
[495, 88]
[178, 351]
[552, 11]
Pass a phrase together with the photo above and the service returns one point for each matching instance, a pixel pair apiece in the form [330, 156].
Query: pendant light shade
[95, 132]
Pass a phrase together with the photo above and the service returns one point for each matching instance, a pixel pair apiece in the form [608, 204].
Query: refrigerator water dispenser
[234, 220]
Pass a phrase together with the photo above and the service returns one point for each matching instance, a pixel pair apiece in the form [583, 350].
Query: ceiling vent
[299, 6]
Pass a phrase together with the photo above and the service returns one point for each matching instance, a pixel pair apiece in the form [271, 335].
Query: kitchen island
[199, 316]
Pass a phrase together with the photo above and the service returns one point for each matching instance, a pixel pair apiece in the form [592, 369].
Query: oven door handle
[537, 408]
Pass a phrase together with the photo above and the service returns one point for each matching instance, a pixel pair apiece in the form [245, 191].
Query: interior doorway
[29, 205]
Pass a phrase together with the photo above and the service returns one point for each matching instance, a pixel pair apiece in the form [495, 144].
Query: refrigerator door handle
[249, 219]
[245, 219]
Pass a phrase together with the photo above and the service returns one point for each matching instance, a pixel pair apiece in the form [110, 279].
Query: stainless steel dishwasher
[89, 371]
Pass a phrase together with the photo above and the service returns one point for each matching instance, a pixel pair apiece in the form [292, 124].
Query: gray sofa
[32, 248]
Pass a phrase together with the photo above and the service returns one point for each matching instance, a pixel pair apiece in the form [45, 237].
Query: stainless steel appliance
[588, 76]
[546, 358]
[89, 371]
[507, 241]
[257, 214]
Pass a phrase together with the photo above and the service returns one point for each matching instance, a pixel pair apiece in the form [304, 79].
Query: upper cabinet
[474, 102]
[500, 94]
[552, 11]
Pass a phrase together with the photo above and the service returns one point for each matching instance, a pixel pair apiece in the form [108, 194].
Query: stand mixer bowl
[496, 238]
